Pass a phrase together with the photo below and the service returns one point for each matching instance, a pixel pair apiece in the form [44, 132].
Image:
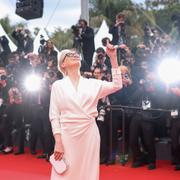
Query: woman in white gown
[73, 108]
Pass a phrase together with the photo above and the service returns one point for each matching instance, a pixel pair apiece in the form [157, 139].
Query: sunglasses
[71, 55]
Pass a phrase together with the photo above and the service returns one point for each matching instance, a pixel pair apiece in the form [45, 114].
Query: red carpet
[28, 167]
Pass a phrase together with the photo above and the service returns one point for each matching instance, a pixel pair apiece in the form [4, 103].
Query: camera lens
[3, 77]
[125, 76]
[51, 74]
[100, 56]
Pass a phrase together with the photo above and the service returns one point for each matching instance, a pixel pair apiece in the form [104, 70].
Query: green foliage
[163, 17]
[137, 15]
[5, 22]
[108, 8]
[62, 39]
[96, 21]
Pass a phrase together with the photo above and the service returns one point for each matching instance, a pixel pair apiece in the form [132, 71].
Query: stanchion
[123, 131]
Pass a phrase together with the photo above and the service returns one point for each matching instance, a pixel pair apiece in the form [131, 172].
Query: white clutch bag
[60, 166]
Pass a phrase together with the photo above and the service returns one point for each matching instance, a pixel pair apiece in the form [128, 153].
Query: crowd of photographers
[24, 112]
[143, 90]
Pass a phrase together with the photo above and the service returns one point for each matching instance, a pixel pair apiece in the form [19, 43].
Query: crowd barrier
[121, 108]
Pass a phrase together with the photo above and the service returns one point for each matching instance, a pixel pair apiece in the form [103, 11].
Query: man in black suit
[86, 34]
[118, 32]
[6, 50]
[24, 41]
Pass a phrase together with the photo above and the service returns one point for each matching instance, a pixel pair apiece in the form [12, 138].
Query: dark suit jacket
[28, 47]
[21, 46]
[114, 32]
[87, 40]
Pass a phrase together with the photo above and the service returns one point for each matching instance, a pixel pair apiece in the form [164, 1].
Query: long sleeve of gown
[111, 87]
[54, 113]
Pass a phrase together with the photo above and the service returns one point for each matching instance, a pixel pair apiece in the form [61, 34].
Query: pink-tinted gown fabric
[72, 114]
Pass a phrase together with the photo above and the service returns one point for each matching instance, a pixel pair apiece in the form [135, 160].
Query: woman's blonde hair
[61, 58]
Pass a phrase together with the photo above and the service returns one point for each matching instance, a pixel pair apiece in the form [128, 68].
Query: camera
[3, 77]
[101, 114]
[126, 76]
[4, 44]
[123, 29]
[121, 23]
[146, 104]
[51, 74]
[100, 56]
[2, 38]
[75, 30]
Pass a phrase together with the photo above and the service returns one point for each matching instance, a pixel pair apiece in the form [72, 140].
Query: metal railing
[121, 108]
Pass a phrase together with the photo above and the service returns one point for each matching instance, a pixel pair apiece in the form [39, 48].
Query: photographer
[152, 38]
[5, 124]
[42, 44]
[15, 68]
[85, 35]
[125, 57]
[47, 51]
[49, 77]
[77, 38]
[149, 93]
[175, 127]
[101, 60]
[52, 68]
[148, 36]
[24, 41]
[3, 101]
[118, 31]
[14, 120]
[6, 50]
[103, 116]
[34, 111]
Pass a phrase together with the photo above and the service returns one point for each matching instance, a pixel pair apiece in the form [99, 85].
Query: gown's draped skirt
[81, 146]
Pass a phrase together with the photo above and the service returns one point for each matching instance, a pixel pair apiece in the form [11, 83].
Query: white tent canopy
[11, 44]
[43, 33]
[102, 32]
